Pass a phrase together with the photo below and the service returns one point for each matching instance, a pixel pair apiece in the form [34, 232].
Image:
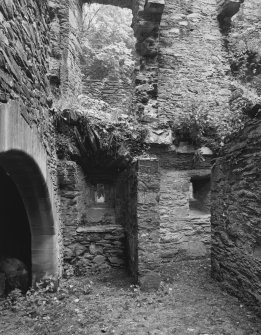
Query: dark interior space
[15, 235]
[199, 202]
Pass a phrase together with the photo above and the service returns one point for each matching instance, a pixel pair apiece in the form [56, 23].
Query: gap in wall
[108, 56]
[199, 197]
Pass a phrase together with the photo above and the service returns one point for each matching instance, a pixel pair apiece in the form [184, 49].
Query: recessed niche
[199, 195]
[257, 249]
[100, 194]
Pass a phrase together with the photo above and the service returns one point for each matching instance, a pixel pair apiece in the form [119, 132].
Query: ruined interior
[143, 172]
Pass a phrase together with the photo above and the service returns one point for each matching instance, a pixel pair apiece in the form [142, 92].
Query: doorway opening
[199, 198]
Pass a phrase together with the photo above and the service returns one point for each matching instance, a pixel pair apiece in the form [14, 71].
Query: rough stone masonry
[156, 209]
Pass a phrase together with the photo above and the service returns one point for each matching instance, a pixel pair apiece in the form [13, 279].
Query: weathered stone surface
[90, 230]
[100, 229]
[184, 234]
[148, 216]
[159, 136]
[151, 217]
[115, 261]
[192, 62]
[99, 259]
[236, 215]
[95, 250]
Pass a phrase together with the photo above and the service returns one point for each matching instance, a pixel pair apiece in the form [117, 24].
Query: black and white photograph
[130, 167]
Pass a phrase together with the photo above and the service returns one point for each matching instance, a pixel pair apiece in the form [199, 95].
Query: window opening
[199, 195]
[100, 194]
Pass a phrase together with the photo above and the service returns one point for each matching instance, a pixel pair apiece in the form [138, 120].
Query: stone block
[95, 249]
[159, 136]
[116, 261]
[99, 259]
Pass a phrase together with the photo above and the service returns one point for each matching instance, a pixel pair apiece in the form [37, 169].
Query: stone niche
[199, 195]
[111, 220]
[184, 207]
[236, 212]
[98, 232]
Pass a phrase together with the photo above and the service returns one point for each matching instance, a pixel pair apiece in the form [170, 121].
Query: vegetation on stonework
[206, 125]
[97, 127]
[245, 51]
[108, 46]
[108, 54]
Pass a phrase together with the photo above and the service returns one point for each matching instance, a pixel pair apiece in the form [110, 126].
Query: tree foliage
[108, 43]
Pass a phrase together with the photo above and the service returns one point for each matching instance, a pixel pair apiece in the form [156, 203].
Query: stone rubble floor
[188, 302]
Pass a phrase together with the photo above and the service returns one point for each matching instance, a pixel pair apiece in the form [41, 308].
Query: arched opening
[15, 235]
[26, 221]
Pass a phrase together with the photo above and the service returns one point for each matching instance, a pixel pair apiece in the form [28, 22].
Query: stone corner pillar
[148, 188]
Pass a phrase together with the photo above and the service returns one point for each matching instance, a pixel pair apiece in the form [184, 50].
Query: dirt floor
[188, 302]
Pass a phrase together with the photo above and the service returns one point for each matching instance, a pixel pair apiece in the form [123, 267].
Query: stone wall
[25, 50]
[192, 62]
[94, 237]
[116, 94]
[27, 44]
[236, 211]
[148, 217]
[24, 62]
[24, 53]
[184, 229]
[185, 234]
[243, 45]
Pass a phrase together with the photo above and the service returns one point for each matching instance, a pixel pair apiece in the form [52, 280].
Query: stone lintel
[154, 6]
[99, 229]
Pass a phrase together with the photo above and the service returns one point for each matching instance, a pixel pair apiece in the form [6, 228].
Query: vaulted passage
[27, 234]
[15, 235]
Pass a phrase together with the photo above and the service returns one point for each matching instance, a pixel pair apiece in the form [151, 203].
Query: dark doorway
[199, 201]
[15, 235]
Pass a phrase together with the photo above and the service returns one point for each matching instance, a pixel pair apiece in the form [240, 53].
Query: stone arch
[27, 176]
[24, 159]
